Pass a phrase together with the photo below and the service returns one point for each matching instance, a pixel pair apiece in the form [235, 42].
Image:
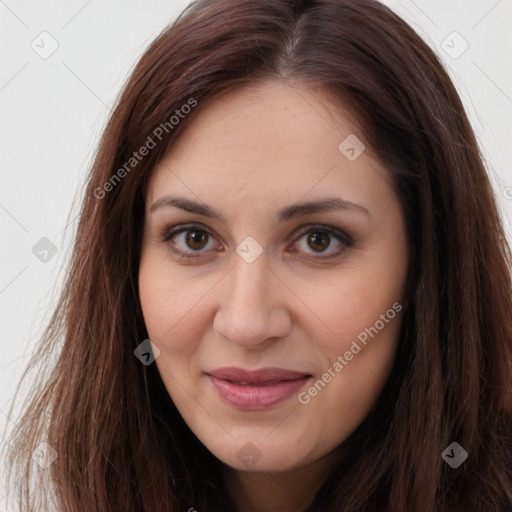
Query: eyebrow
[285, 214]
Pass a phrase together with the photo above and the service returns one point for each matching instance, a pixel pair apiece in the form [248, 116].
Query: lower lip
[256, 397]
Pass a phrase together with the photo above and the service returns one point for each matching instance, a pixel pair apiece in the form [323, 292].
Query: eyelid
[344, 237]
[168, 232]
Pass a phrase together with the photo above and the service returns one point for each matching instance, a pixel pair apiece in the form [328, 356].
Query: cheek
[173, 307]
[361, 309]
[351, 305]
[356, 360]
[363, 313]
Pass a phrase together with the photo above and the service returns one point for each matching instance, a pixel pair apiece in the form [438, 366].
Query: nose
[252, 310]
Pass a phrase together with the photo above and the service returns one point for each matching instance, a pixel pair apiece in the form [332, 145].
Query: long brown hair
[120, 441]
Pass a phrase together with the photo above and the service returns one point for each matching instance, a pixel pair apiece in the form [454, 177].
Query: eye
[318, 239]
[318, 242]
[187, 240]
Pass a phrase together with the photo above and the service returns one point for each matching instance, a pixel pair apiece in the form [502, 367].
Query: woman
[290, 203]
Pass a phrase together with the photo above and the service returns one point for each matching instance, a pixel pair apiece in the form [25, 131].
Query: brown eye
[189, 240]
[323, 242]
[196, 239]
[319, 241]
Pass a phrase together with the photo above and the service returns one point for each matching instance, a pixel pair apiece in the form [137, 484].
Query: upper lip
[256, 376]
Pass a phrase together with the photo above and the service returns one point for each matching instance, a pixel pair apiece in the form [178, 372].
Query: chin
[255, 454]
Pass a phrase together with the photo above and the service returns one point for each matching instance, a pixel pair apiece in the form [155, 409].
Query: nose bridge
[249, 284]
[249, 312]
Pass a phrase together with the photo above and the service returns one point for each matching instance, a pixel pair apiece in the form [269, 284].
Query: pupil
[322, 239]
[195, 239]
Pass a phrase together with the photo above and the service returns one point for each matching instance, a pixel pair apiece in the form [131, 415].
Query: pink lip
[258, 389]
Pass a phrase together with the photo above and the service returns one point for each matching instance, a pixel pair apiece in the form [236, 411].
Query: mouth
[257, 389]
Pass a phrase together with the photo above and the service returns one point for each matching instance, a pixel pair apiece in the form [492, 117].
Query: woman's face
[289, 256]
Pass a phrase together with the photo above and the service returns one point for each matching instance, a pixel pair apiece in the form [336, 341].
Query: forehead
[268, 116]
[262, 143]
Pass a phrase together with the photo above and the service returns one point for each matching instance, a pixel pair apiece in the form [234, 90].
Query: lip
[256, 389]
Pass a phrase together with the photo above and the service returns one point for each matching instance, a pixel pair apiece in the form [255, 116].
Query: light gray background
[53, 111]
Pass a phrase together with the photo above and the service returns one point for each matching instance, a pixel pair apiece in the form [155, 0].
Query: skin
[248, 154]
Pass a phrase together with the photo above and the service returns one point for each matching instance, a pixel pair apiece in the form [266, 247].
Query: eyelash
[170, 232]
